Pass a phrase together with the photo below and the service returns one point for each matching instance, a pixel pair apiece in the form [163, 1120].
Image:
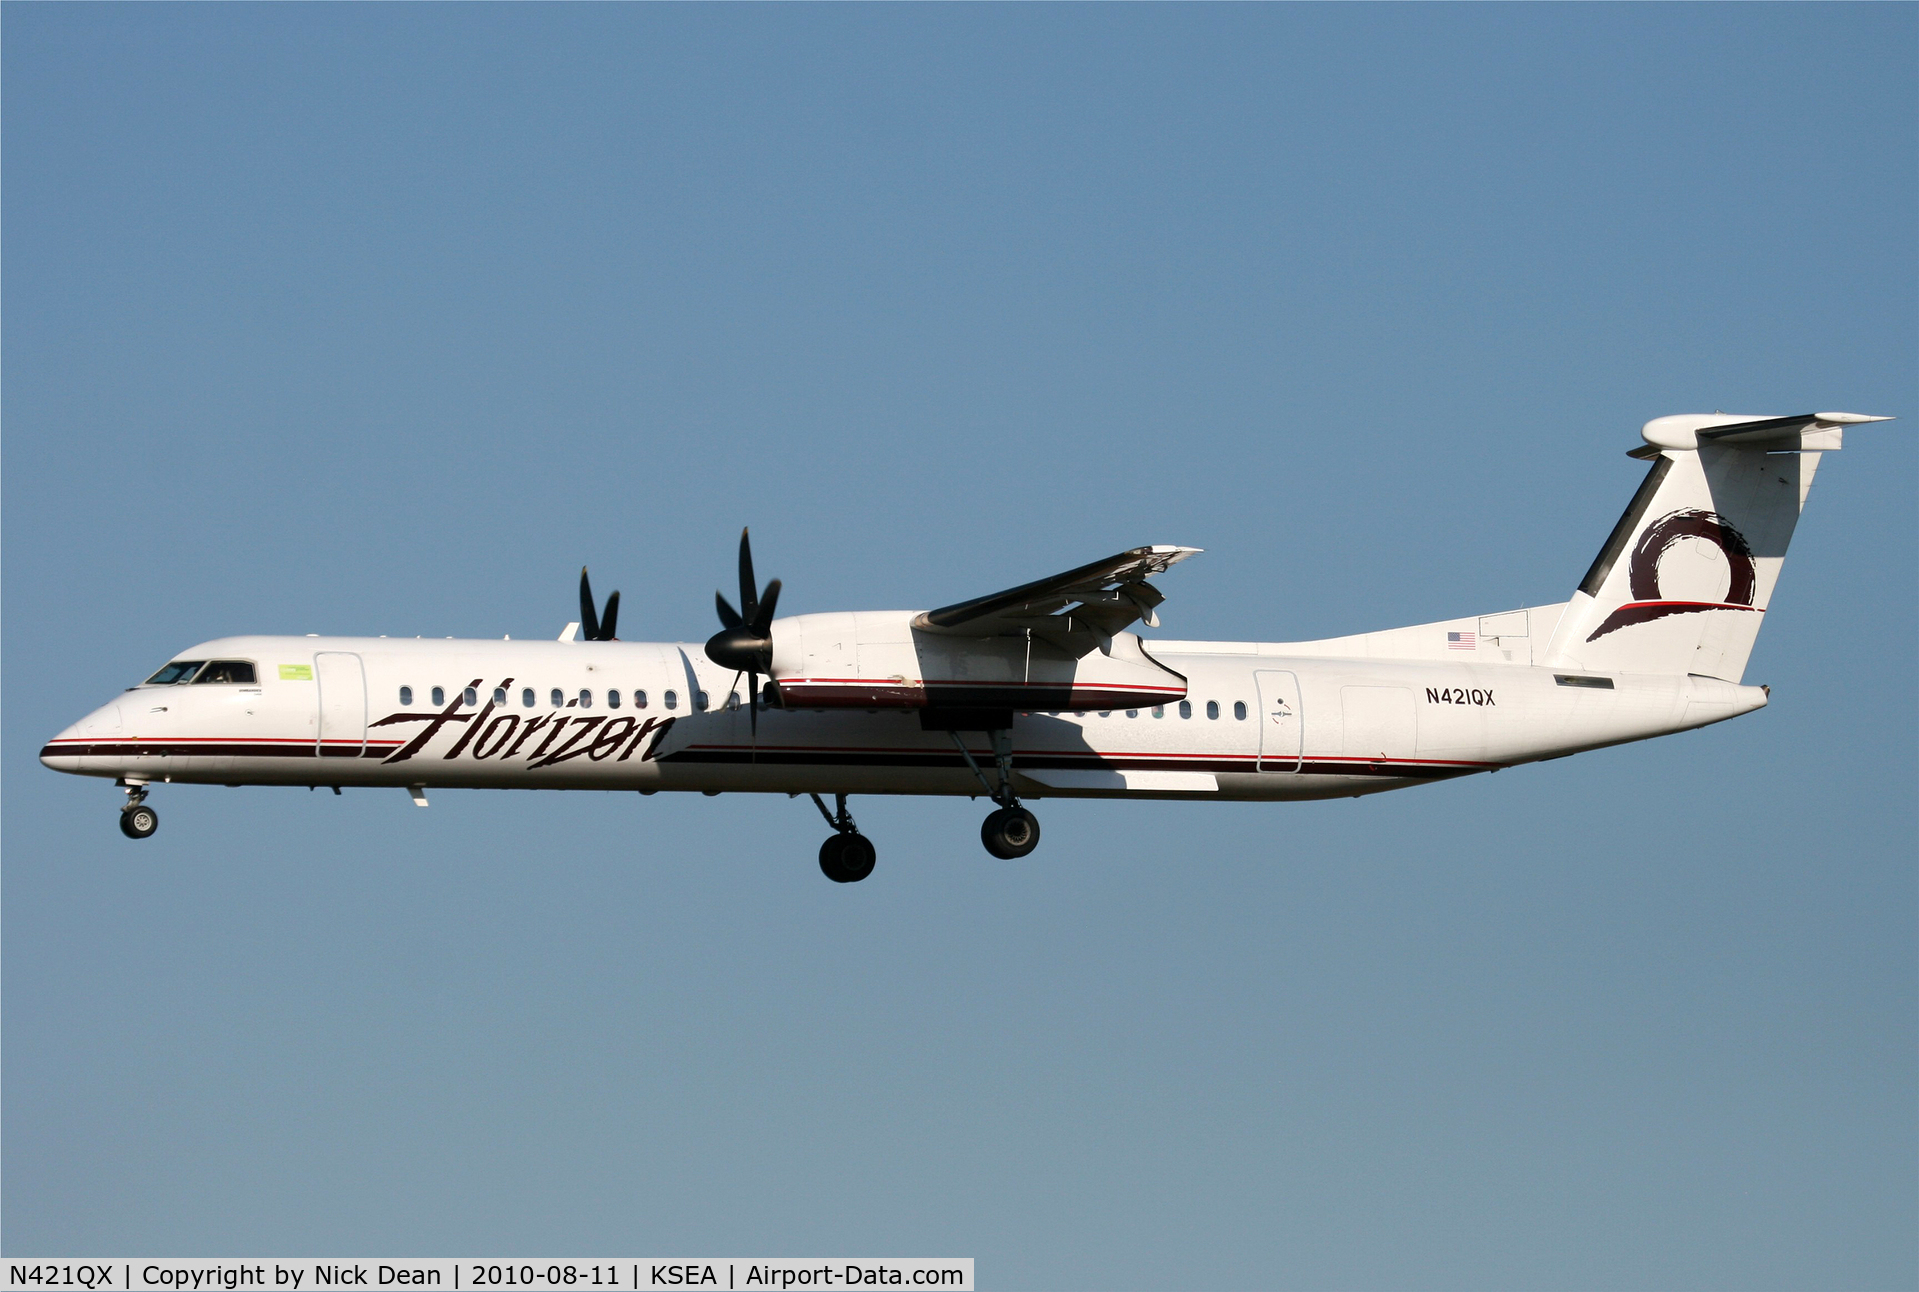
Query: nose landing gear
[847, 856]
[137, 820]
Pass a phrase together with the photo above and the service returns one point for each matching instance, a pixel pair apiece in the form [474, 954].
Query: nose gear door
[342, 686]
[1281, 731]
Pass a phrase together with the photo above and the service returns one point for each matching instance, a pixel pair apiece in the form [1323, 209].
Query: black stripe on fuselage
[742, 757]
[932, 760]
[207, 748]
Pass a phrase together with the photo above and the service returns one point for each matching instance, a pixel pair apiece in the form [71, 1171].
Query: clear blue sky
[379, 319]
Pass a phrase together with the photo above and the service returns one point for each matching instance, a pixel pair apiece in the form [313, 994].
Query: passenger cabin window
[1185, 708]
[1132, 713]
[672, 699]
[499, 695]
[1212, 708]
[470, 698]
[527, 697]
[406, 695]
[557, 698]
[586, 699]
[1239, 710]
[639, 699]
[439, 695]
[733, 700]
[1159, 711]
[700, 701]
[231, 671]
[612, 699]
[180, 670]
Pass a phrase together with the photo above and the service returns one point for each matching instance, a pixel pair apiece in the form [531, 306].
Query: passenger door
[1281, 729]
[341, 682]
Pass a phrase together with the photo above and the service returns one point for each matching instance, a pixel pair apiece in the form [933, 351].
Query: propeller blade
[763, 623]
[745, 640]
[753, 703]
[589, 621]
[610, 618]
[749, 588]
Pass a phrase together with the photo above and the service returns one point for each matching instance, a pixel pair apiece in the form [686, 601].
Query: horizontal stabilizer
[1806, 431]
[1774, 429]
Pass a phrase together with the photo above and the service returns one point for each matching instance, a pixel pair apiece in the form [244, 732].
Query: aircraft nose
[65, 752]
[62, 752]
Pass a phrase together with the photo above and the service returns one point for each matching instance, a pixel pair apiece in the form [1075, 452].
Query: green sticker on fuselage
[296, 672]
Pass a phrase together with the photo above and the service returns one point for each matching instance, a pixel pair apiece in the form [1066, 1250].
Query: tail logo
[1649, 603]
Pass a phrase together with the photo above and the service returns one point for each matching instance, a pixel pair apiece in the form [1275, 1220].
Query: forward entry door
[342, 685]
[1281, 730]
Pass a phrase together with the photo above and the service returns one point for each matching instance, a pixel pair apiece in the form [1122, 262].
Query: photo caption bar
[467, 1274]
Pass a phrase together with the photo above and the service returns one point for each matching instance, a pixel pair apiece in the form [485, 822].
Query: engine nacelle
[878, 660]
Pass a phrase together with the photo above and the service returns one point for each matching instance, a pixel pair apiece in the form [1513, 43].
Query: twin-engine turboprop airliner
[1039, 691]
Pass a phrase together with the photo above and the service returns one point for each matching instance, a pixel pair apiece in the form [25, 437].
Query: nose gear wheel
[138, 821]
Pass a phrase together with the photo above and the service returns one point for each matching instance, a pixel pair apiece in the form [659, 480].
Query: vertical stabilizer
[1683, 582]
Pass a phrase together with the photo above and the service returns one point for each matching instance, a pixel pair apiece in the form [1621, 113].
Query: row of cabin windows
[232, 671]
[701, 701]
[241, 671]
[1185, 710]
[558, 698]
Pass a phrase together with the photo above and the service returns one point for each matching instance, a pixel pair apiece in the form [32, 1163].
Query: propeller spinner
[745, 642]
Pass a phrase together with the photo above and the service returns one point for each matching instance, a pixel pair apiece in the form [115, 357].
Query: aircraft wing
[1072, 609]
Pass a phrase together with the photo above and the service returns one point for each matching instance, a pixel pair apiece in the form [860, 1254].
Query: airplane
[1039, 691]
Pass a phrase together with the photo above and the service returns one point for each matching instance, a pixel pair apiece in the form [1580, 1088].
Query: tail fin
[1683, 582]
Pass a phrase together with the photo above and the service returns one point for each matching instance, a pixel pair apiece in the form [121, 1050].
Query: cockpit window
[178, 671]
[227, 670]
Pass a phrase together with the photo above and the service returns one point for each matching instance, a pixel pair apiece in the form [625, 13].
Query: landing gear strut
[847, 856]
[1012, 831]
[137, 820]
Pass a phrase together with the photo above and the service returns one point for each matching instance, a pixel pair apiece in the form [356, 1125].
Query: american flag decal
[1462, 641]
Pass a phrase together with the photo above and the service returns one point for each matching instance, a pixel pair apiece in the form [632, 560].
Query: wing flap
[1104, 596]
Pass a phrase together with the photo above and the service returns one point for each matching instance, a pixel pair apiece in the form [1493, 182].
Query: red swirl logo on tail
[1648, 603]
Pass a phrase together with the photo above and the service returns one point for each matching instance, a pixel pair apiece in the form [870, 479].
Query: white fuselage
[1258, 721]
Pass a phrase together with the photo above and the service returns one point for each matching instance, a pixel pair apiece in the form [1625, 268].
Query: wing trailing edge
[1074, 610]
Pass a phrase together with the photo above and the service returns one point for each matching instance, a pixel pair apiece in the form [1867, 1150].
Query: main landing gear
[1011, 832]
[847, 856]
[137, 820]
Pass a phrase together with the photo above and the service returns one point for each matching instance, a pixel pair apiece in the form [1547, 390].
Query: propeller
[745, 642]
[592, 626]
